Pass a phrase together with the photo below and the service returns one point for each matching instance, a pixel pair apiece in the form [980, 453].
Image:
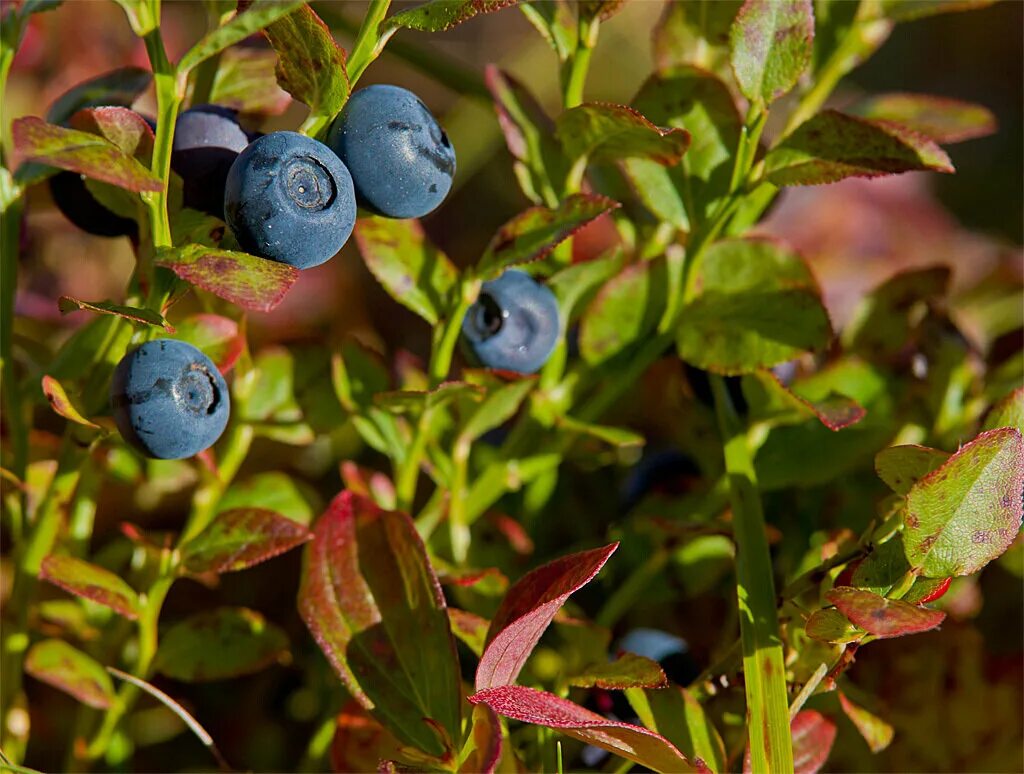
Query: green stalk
[368, 43]
[10, 225]
[458, 528]
[446, 336]
[771, 745]
[579, 62]
[169, 96]
[628, 593]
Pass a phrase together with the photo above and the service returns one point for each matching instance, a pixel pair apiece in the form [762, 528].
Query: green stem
[233, 451]
[368, 43]
[82, 513]
[446, 336]
[409, 470]
[170, 92]
[771, 744]
[457, 525]
[579, 63]
[628, 593]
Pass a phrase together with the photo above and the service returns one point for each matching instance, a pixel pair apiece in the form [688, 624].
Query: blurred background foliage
[955, 697]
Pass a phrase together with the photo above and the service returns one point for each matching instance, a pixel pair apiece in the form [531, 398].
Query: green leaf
[246, 82]
[274, 491]
[967, 512]
[756, 306]
[883, 568]
[535, 232]
[941, 119]
[574, 285]
[250, 282]
[604, 133]
[117, 87]
[70, 670]
[219, 338]
[910, 10]
[625, 309]
[770, 400]
[831, 626]
[470, 628]
[92, 582]
[219, 644]
[372, 602]
[614, 436]
[900, 467]
[252, 20]
[832, 146]
[883, 617]
[627, 671]
[239, 539]
[506, 476]
[81, 152]
[272, 400]
[1009, 412]
[412, 270]
[556, 23]
[62, 404]
[311, 66]
[771, 43]
[676, 714]
[876, 732]
[699, 102]
[440, 15]
[415, 402]
[144, 316]
[498, 407]
[695, 32]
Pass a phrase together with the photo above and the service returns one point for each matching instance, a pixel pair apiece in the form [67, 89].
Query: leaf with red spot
[534, 233]
[634, 743]
[250, 282]
[440, 15]
[832, 146]
[70, 670]
[92, 582]
[942, 119]
[883, 617]
[372, 602]
[527, 610]
[219, 338]
[967, 512]
[770, 44]
[605, 133]
[81, 152]
[240, 538]
[62, 404]
[143, 316]
[627, 671]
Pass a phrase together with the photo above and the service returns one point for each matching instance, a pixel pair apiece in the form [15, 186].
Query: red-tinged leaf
[768, 396]
[360, 742]
[81, 152]
[627, 671]
[246, 82]
[830, 625]
[883, 617]
[369, 483]
[92, 582]
[439, 15]
[634, 743]
[676, 714]
[250, 282]
[534, 233]
[771, 45]
[944, 120]
[219, 644]
[372, 602]
[490, 577]
[876, 732]
[219, 338]
[470, 628]
[143, 316]
[311, 66]
[241, 538]
[117, 87]
[527, 610]
[903, 466]
[813, 736]
[927, 590]
[70, 670]
[487, 742]
[967, 512]
[832, 146]
[123, 127]
[606, 133]
[62, 404]
[412, 270]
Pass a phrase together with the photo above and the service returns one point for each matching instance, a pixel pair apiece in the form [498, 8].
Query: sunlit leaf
[883, 617]
[695, 32]
[941, 119]
[605, 133]
[70, 670]
[1009, 412]
[145, 316]
[62, 404]
[909, 10]
[676, 714]
[627, 671]
[219, 338]
[876, 732]
[830, 625]
[625, 309]
[439, 15]
[246, 82]
[903, 466]
[239, 539]
[771, 43]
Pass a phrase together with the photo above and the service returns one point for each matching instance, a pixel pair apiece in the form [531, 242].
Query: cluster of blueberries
[293, 199]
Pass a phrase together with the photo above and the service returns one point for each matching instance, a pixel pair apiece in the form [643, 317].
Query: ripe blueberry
[169, 400]
[207, 138]
[84, 210]
[400, 158]
[290, 199]
[514, 323]
[671, 652]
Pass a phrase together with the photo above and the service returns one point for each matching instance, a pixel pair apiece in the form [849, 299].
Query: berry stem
[368, 43]
[579, 62]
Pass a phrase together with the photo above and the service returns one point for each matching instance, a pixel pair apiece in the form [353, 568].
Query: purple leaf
[813, 736]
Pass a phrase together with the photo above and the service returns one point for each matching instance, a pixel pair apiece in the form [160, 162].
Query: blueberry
[290, 199]
[400, 158]
[514, 323]
[84, 210]
[169, 400]
[671, 652]
[207, 139]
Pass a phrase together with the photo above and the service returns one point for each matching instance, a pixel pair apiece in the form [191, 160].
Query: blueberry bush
[636, 497]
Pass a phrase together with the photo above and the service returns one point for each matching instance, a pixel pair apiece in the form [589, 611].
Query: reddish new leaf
[486, 733]
[240, 538]
[527, 610]
[92, 582]
[144, 316]
[635, 743]
[372, 602]
[942, 119]
[70, 670]
[813, 736]
[883, 617]
[534, 233]
[470, 628]
[218, 337]
[61, 403]
[81, 152]
[250, 282]
[123, 127]
[606, 133]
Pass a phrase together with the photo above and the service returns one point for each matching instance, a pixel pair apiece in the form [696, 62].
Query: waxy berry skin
[290, 198]
[514, 323]
[169, 400]
[84, 210]
[400, 158]
[207, 139]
